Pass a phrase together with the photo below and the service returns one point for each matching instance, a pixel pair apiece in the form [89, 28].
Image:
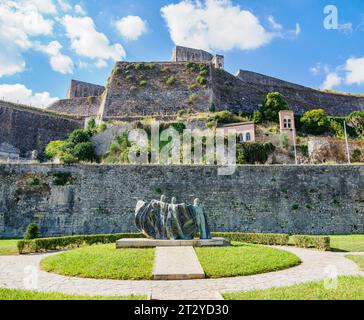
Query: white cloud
[333, 79]
[19, 22]
[18, 93]
[218, 24]
[59, 62]
[274, 24]
[87, 42]
[131, 27]
[79, 10]
[354, 69]
[65, 6]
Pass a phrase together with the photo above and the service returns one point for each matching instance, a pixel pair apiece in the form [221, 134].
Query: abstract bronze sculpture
[171, 221]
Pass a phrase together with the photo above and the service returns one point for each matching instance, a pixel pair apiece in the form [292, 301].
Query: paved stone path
[15, 271]
[177, 263]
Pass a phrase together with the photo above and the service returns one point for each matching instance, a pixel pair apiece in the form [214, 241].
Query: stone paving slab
[177, 263]
[146, 243]
[15, 270]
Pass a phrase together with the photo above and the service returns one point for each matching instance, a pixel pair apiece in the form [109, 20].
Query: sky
[46, 43]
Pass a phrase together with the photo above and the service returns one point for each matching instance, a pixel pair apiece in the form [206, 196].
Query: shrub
[68, 158]
[356, 121]
[171, 81]
[203, 73]
[32, 232]
[85, 151]
[192, 86]
[256, 238]
[192, 99]
[201, 80]
[116, 71]
[256, 152]
[102, 127]
[212, 108]
[140, 66]
[315, 122]
[283, 141]
[318, 242]
[143, 83]
[53, 149]
[60, 243]
[181, 113]
[226, 117]
[356, 155]
[61, 178]
[257, 117]
[129, 78]
[79, 136]
[272, 105]
[91, 99]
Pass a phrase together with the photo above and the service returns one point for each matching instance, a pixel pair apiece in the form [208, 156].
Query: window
[248, 137]
[285, 123]
[289, 121]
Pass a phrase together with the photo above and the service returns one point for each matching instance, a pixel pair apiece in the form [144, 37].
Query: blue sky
[46, 43]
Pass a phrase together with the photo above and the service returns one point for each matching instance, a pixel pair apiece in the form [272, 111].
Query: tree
[272, 105]
[315, 122]
[79, 136]
[53, 149]
[84, 151]
[356, 121]
[32, 232]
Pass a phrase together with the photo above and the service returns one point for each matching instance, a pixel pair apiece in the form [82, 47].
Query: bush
[356, 121]
[61, 243]
[284, 141]
[143, 83]
[318, 242]
[272, 105]
[85, 152]
[201, 80]
[192, 99]
[53, 149]
[32, 232]
[315, 122]
[256, 238]
[79, 136]
[356, 155]
[68, 158]
[171, 81]
[257, 117]
[253, 153]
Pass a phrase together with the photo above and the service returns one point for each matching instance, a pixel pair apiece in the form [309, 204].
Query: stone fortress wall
[79, 89]
[31, 129]
[102, 199]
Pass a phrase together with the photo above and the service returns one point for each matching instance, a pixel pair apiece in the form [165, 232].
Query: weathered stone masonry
[101, 199]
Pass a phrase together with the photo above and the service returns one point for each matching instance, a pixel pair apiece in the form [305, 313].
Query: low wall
[101, 199]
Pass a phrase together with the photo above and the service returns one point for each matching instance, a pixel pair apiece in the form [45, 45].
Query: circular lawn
[105, 262]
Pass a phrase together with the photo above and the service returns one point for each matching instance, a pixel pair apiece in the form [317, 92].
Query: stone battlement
[80, 89]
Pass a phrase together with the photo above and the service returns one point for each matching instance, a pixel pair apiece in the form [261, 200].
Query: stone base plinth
[149, 243]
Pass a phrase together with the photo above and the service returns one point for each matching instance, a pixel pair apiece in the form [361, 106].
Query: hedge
[256, 238]
[59, 243]
[318, 242]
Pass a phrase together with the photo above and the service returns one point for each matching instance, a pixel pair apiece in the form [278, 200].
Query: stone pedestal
[148, 243]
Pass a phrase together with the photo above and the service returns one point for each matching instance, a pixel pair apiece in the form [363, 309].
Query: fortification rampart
[80, 89]
[102, 199]
[31, 129]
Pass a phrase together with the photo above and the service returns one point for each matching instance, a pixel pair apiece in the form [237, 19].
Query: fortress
[193, 80]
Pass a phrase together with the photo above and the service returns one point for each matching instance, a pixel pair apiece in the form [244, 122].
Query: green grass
[8, 247]
[102, 262]
[359, 260]
[244, 259]
[350, 243]
[11, 294]
[349, 288]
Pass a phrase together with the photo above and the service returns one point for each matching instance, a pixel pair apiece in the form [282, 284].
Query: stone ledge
[148, 243]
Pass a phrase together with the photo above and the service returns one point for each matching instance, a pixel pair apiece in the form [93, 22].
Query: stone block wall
[80, 89]
[102, 199]
[143, 89]
[83, 107]
[31, 129]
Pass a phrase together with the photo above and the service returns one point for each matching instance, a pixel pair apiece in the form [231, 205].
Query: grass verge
[244, 259]
[8, 247]
[11, 294]
[359, 260]
[102, 262]
[349, 288]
